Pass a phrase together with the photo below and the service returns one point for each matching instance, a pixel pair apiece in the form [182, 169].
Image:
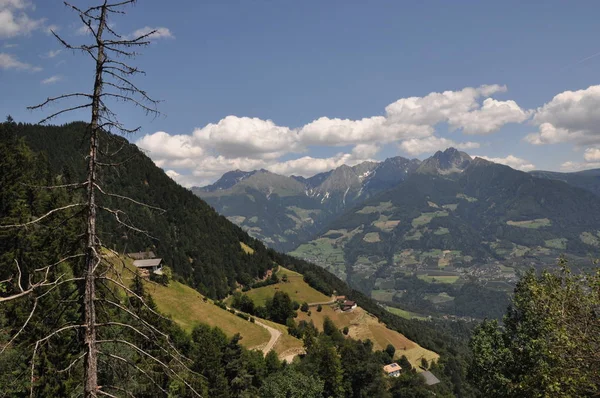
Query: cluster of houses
[146, 263]
[394, 370]
[345, 305]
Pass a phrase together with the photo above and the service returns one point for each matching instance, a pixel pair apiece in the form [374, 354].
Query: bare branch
[35, 302]
[75, 185]
[148, 355]
[42, 217]
[116, 213]
[128, 198]
[60, 97]
[37, 346]
[142, 371]
[119, 389]
[72, 363]
[105, 393]
[74, 108]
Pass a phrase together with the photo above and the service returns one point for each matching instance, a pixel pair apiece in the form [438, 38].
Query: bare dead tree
[113, 82]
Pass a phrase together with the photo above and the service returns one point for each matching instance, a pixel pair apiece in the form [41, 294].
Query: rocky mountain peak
[447, 162]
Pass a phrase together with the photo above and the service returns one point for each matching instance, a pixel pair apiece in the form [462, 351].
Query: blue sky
[299, 87]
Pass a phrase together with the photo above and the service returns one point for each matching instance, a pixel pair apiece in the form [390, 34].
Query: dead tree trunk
[92, 251]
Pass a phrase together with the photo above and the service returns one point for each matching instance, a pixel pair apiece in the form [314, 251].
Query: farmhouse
[392, 370]
[150, 265]
[142, 255]
[348, 305]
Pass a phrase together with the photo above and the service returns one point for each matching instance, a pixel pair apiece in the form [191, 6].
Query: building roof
[153, 262]
[392, 367]
[349, 303]
[430, 378]
[142, 255]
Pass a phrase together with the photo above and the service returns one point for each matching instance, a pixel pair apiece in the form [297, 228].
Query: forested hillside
[200, 245]
[434, 236]
[60, 149]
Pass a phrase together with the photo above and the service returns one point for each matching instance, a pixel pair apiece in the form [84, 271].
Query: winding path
[275, 335]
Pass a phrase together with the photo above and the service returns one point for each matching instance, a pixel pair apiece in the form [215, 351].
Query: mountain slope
[201, 246]
[284, 212]
[586, 179]
[449, 230]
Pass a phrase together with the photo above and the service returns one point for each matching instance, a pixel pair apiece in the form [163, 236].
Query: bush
[319, 308]
[295, 305]
[252, 319]
[221, 304]
[232, 310]
[304, 307]
[243, 316]
[345, 330]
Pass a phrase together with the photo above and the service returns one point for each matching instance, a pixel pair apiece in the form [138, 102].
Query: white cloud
[51, 53]
[159, 33]
[490, 117]
[512, 161]
[170, 147]
[571, 116]
[82, 30]
[365, 151]
[431, 144]
[592, 155]
[591, 158]
[9, 61]
[52, 79]
[51, 28]
[578, 166]
[14, 20]
[250, 137]
[249, 143]
[10, 45]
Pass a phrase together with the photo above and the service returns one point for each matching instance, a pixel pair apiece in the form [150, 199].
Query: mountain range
[448, 220]
[285, 211]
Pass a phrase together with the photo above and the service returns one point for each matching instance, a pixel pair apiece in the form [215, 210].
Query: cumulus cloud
[431, 144]
[592, 155]
[51, 54]
[14, 20]
[571, 116]
[249, 143]
[52, 79]
[591, 158]
[512, 161]
[578, 166]
[159, 33]
[243, 136]
[161, 145]
[9, 61]
[490, 117]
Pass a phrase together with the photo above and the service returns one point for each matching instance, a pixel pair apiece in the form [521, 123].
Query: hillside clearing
[532, 224]
[295, 287]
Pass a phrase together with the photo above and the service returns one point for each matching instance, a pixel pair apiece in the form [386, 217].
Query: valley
[452, 222]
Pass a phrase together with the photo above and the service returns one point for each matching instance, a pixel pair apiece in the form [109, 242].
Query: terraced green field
[439, 278]
[425, 218]
[532, 224]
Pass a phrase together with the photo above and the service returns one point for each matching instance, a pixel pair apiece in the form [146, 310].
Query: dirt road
[275, 335]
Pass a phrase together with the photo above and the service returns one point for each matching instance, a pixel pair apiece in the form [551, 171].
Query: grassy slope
[295, 287]
[360, 323]
[187, 308]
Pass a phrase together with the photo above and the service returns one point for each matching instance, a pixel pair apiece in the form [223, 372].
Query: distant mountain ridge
[286, 211]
